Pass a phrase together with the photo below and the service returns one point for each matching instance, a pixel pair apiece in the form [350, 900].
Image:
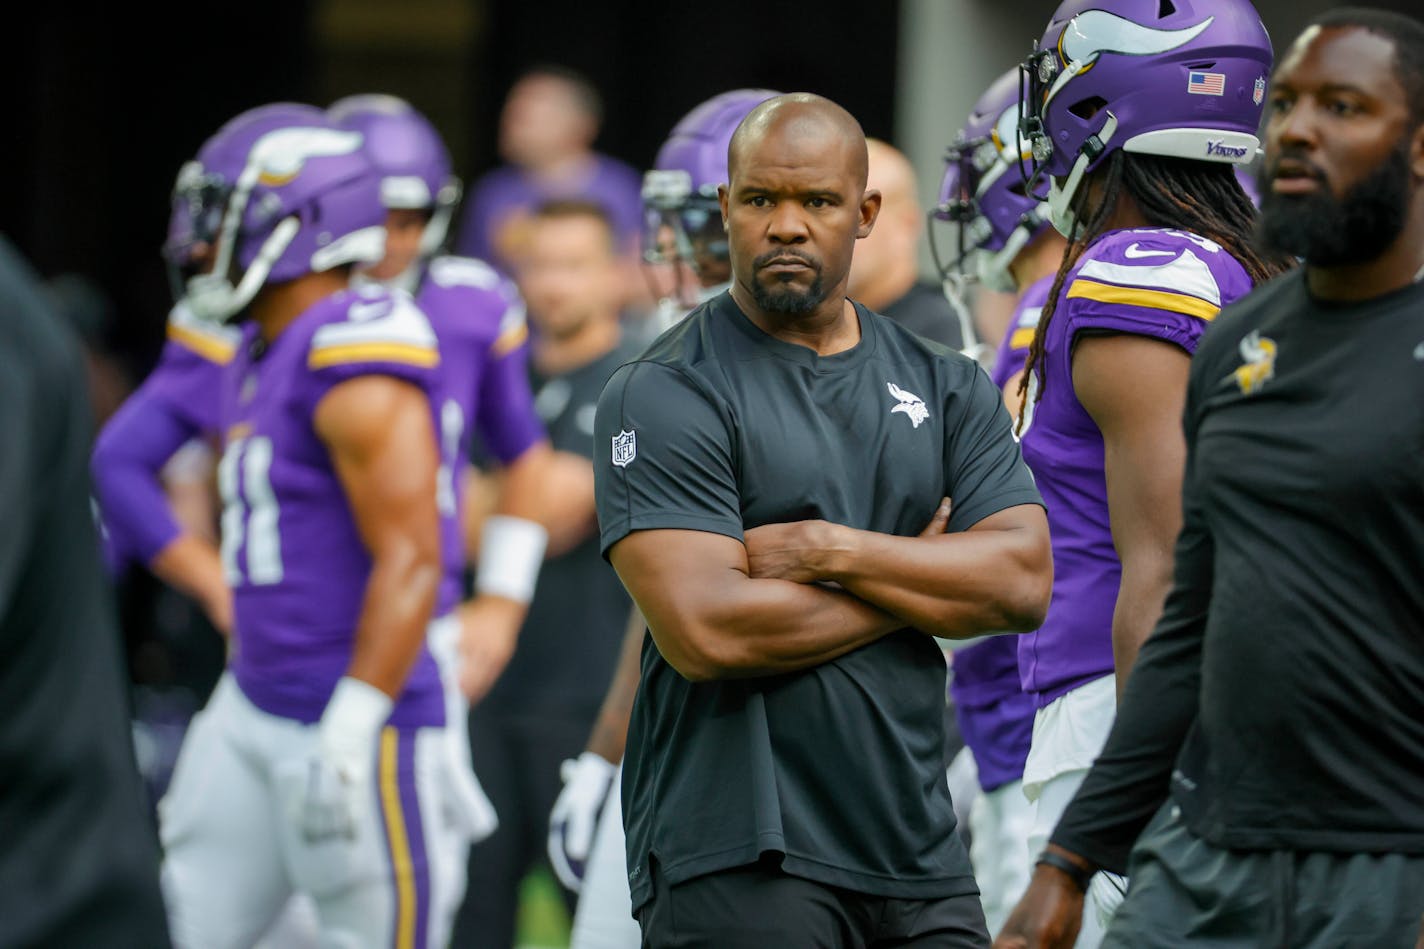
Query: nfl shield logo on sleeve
[625, 448]
[1259, 92]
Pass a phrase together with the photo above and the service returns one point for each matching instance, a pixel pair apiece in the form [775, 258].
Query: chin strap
[212, 296]
[1060, 200]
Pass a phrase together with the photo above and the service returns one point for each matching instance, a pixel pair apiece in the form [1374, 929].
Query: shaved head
[794, 205]
[798, 120]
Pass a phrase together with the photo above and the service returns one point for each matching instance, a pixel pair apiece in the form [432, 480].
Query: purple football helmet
[680, 193]
[1178, 78]
[411, 157]
[983, 192]
[276, 193]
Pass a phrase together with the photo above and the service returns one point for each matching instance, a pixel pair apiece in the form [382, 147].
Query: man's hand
[489, 631]
[787, 551]
[574, 819]
[795, 550]
[339, 779]
[1048, 916]
[191, 564]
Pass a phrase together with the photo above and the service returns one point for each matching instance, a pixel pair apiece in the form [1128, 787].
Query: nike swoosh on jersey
[1135, 252]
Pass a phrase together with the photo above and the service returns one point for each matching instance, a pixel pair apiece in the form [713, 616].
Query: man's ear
[723, 196]
[869, 211]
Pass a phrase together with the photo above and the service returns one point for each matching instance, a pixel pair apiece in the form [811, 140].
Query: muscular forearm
[754, 628]
[954, 585]
[1140, 597]
[610, 729]
[395, 612]
[191, 564]
[1130, 780]
[523, 483]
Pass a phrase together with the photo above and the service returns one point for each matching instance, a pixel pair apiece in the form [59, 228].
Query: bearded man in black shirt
[767, 471]
[1268, 753]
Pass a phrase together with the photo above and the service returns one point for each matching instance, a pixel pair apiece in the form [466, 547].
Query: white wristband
[357, 709]
[511, 552]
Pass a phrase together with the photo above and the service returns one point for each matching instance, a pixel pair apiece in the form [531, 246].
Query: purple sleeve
[188, 383]
[128, 457]
[505, 416]
[1182, 329]
[1013, 349]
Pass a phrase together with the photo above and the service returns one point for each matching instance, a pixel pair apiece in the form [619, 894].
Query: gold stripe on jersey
[1137, 296]
[402, 866]
[510, 339]
[1022, 338]
[212, 348]
[426, 357]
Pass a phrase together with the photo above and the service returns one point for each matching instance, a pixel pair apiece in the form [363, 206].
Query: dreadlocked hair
[1203, 198]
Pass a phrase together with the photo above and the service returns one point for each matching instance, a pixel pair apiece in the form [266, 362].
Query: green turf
[543, 921]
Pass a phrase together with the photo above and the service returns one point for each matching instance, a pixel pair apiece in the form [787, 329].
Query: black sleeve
[18, 503]
[1130, 780]
[663, 457]
[985, 469]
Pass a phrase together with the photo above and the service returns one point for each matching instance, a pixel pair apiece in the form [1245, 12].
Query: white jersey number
[452, 428]
[250, 512]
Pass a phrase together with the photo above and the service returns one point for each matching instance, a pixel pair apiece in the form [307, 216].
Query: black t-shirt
[570, 641]
[1281, 697]
[79, 859]
[924, 310]
[720, 427]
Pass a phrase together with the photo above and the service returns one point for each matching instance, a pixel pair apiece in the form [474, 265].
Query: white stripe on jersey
[393, 320]
[1186, 273]
[182, 317]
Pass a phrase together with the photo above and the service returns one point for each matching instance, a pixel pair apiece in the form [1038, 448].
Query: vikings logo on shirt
[911, 404]
[1259, 352]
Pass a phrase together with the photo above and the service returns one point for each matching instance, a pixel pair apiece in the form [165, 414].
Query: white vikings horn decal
[280, 155]
[1098, 31]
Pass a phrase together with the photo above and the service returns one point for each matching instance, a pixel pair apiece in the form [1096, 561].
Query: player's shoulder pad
[452, 273]
[214, 342]
[1155, 268]
[449, 272]
[374, 324]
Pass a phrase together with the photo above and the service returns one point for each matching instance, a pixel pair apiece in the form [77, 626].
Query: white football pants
[1000, 822]
[234, 851]
[603, 918]
[1068, 734]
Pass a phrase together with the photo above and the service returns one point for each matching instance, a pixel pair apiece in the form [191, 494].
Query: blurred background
[110, 104]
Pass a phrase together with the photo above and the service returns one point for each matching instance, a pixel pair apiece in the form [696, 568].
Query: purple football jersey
[478, 318]
[176, 403]
[1013, 349]
[1155, 282]
[497, 213]
[995, 716]
[290, 547]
